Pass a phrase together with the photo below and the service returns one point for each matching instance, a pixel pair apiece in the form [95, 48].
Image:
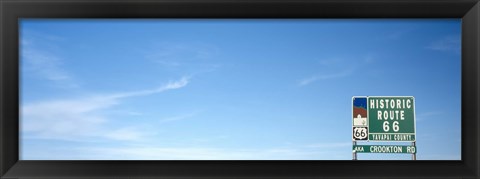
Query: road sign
[383, 118]
[359, 118]
[360, 133]
[385, 149]
[391, 118]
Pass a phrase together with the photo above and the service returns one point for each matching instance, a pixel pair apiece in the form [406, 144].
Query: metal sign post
[414, 155]
[354, 152]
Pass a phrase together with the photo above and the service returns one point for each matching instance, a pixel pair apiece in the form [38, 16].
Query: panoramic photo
[240, 89]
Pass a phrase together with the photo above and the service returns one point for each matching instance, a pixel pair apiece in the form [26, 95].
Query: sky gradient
[231, 89]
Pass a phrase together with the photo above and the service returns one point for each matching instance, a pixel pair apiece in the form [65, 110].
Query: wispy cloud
[199, 153]
[169, 86]
[38, 60]
[329, 145]
[315, 78]
[398, 34]
[46, 66]
[180, 117]
[426, 115]
[440, 156]
[448, 44]
[369, 59]
[337, 67]
[70, 119]
[331, 62]
[189, 58]
[126, 133]
[175, 55]
[316, 151]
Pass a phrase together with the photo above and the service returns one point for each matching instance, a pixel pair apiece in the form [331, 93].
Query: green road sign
[391, 118]
[383, 118]
[385, 149]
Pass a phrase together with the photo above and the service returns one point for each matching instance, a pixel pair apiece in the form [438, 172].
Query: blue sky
[231, 89]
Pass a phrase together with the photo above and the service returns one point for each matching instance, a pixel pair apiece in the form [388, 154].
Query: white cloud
[330, 145]
[439, 157]
[126, 133]
[36, 59]
[199, 153]
[71, 119]
[319, 151]
[188, 58]
[169, 86]
[181, 54]
[426, 115]
[369, 59]
[431, 113]
[45, 65]
[332, 62]
[137, 151]
[398, 34]
[338, 67]
[449, 43]
[315, 78]
[180, 117]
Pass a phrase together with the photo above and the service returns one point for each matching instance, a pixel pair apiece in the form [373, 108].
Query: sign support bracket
[414, 155]
[354, 152]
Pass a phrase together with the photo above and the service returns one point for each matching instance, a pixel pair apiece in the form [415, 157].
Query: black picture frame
[12, 10]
